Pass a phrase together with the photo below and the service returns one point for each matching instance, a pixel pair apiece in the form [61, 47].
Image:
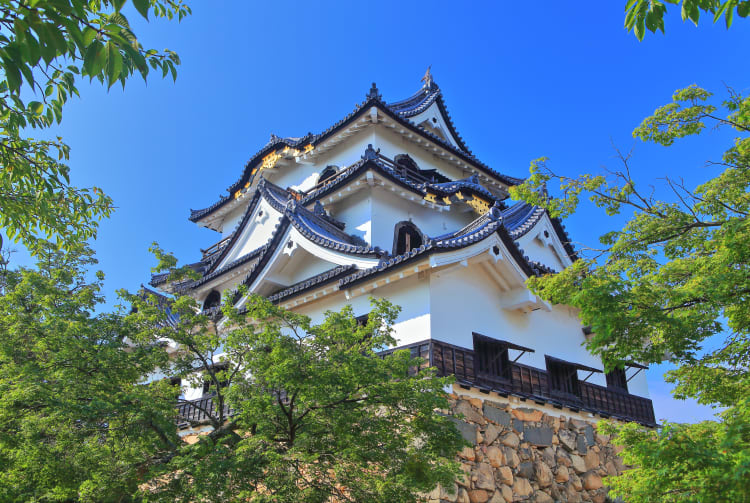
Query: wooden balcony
[532, 383]
[215, 248]
[525, 381]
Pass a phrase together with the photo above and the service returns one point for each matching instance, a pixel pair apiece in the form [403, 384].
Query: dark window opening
[563, 378]
[362, 320]
[213, 300]
[491, 357]
[617, 379]
[408, 238]
[327, 174]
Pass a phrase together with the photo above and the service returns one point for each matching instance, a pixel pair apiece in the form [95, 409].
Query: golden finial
[427, 79]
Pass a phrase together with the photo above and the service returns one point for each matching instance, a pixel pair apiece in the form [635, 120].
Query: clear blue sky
[521, 80]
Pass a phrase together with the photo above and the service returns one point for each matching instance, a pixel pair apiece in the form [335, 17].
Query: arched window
[327, 174]
[213, 300]
[406, 238]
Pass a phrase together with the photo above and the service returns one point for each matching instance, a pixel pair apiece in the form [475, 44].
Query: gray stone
[496, 415]
[468, 431]
[540, 436]
[567, 440]
[588, 431]
[491, 434]
[517, 425]
[469, 413]
[581, 443]
[526, 470]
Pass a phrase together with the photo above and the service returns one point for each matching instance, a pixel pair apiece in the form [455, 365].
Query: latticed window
[563, 377]
[491, 357]
[617, 379]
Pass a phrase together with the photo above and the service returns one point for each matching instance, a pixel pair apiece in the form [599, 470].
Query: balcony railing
[215, 248]
[526, 381]
[197, 411]
[531, 382]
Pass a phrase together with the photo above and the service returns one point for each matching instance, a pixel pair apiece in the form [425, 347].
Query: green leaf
[743, 8]
[89, 34]
[12, 75]
[36, 107]
[143, 7]
[114, 63]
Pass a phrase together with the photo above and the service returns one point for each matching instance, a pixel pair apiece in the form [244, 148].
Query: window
[407, 238]
[362, 320]
[563, 377]
[213, 300]
[617, 379]
[327, 174]
[491, 357]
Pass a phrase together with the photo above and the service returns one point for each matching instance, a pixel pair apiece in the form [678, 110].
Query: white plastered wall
[411, 294]
[542, 244]
[463, 301]
[258, 230]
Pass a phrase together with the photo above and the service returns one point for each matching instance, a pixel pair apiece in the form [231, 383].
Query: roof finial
[374, 93]
[319, 210]
[427, 79]
[370, 153]
[496, 212]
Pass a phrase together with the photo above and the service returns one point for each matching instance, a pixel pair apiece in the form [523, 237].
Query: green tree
[75, 424]
[46, 46]
[676, 274]
[642, 15]
[300, 412]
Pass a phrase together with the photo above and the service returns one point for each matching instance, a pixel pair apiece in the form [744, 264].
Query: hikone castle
[390, 202]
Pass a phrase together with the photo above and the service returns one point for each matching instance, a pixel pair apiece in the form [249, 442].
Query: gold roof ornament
[427, 79]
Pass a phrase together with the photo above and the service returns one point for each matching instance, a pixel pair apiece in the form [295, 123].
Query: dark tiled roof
[314, 227]
[478, 230]
[421, 101]
[164, 303]
[521, 217]
[398, 111]
[161, 278]
[320, 279]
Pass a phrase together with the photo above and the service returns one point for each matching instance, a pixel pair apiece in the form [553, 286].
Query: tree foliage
[315, 412]
[46, 47]
[301, 412]
[676, 274]
[75, 424]
[642, 15]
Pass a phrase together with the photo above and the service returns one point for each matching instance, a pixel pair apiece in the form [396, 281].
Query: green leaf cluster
[45, 47]
[316, 413]
[76, 424]
[676, 274]
[642, 15]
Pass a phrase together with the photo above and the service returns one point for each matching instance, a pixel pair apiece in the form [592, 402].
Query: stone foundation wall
[522, 452]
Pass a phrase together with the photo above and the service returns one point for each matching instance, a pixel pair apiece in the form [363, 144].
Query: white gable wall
[256, 233]
[542, 244]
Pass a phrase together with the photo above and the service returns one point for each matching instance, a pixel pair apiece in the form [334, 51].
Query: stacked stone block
[520, 453]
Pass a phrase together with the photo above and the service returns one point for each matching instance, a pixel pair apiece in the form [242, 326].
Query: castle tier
[390, 202]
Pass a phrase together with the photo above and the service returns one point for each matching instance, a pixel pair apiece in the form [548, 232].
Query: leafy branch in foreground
[45, 47]
[676, 274]
[642, 15]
